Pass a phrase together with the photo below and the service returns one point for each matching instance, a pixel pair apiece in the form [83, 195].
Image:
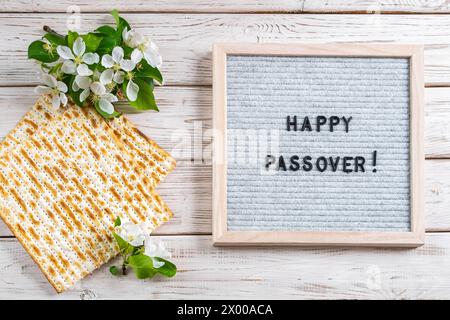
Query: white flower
[155, 249]
[134, 234]
[100, 95]
[132, 38]
[118, 63]
[131, 233]
[75, 60]
[118, 68]
[144, 48]
[83, 82]
[56, 89]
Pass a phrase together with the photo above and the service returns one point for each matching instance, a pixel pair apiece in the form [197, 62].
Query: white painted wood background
[185, 31]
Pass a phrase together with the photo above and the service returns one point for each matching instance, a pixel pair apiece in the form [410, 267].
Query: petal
[83, 82]
[107, 61]
[107, 107]
[118, 77]
[136, 56]
[49, 80]
[42, 90]
[157, 264]
[56, 102]
[153, 58]
[98, 88]
[69, 67]
[150, 247]
[63, 98]
[65, 52]
[139, 240]
[117, 54]
[127, 65]
[75, 86]
[79, 47]
[84, 94]
[110, 97]
[132, 91]
[106, 76]
[61, 86]
[90, 58]
[83, 70]
[125, 34]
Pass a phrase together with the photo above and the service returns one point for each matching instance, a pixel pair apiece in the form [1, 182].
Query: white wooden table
[185, 31]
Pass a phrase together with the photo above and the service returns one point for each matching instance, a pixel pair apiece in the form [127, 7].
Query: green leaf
[121, 23]
[105, 115]
[168, 269]
[106, 45]
[114, 270]
[115, 15]
[92, 41]
[145, 99]
[118, 222]
[106, 31]
[147, 71]
[71, 37]
[36, 50]
[123, 245]
[142, 266]
[55, 39]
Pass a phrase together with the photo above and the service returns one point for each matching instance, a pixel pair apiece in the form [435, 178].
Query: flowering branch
[99, 67]
[140, 252]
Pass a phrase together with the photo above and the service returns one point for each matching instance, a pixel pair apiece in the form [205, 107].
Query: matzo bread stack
[65, 178]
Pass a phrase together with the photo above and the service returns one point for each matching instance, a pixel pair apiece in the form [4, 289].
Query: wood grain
[254, 273]
[186, 39]
[188, 193]
[183, 124]
[235, 6]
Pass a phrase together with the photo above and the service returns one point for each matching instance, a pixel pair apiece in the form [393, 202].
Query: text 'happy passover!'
[347, 164]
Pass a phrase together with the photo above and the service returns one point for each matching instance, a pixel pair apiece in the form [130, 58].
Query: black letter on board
[347, 121]
[290, 123]
[334, 121]
[334, 164]
[306, 124]
[281, 163]
[294, 163]
[307, 165]
[346, 164]
[359, 163]
[269, 160]
[325, 164]
[321, 120]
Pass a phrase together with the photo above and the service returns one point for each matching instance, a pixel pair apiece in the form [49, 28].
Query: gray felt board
[263, 90]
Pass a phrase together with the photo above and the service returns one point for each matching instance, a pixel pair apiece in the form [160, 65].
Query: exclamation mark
[374, 160]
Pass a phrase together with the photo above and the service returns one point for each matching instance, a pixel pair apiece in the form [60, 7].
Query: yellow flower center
[48, 47]
[130, 75]
[78, 60]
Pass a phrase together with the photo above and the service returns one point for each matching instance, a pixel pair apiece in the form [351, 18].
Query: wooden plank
[236, 6]
[188, 192]
[238, 273]
[186, 39]
[186, 116]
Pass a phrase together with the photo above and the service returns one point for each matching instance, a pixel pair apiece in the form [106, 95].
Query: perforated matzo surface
[262, 91]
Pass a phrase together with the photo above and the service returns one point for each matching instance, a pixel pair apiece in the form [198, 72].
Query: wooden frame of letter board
[221, 235]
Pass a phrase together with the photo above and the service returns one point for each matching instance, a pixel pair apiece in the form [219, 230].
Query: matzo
[158, 163]
[62, 189]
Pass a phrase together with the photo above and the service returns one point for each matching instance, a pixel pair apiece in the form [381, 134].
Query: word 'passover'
[321, 163]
